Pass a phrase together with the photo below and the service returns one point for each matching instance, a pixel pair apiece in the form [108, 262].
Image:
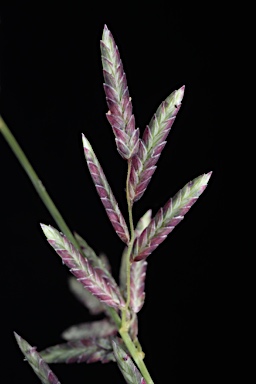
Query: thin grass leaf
[129, 371]
[152, 143]
[168, 217]
[80, 351]
[91, 302]
[36, 361]
[105, 193]
[94, 329]
[119, 102]
[94, 280]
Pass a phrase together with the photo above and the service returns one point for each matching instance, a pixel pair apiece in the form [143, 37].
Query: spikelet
[97, 328]
[138, 270]
[87, 351]
[94, 305]
[105, 193]
[119, 102]
[152, 143]
[130, 372]
[92, 279]
[168, 217]
[35, 360]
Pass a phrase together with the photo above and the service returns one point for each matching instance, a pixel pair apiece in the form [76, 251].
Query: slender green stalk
[136, 355]
[36, 182]
[114, 316]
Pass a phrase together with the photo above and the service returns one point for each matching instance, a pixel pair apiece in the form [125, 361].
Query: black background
[51, 92]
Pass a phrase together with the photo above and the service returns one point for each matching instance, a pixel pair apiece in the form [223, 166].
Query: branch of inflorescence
[137, 354]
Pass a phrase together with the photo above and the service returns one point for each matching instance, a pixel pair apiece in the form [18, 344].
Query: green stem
[136, 355]
[36, 182]
[112, 313]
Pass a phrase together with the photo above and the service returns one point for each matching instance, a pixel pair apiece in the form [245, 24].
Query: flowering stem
[36, 182]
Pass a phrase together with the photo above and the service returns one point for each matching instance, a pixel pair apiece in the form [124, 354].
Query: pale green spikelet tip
[146, 218]
[48, 231]
[179, 95]
[202, 181]
[86, 143]
[207, 176]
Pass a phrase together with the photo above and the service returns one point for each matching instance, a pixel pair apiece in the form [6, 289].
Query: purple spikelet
[105, 193]
[89, 350]
[126, 365]
[98, 328]
[94, 280]
[36, 361]
[152, 144]
[85, 297]
[138, 270]
[119, 102]
[137, 294]
[168, 217]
